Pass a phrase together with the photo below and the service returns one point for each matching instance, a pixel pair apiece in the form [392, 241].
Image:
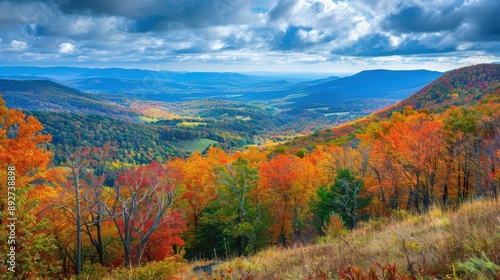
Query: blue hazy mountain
[182, 86]
[68, 73]
[117, 80]
[389, 84]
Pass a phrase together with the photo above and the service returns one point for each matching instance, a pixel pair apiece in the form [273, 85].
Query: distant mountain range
[385, 84]
[118, 80]
[179, 86]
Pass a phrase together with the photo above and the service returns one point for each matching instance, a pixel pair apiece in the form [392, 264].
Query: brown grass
[427, 245]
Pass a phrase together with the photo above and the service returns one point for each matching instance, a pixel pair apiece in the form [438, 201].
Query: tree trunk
[100, 249]
[78, 258]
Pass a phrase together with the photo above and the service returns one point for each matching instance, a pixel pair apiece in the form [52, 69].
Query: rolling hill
[169, 85]
[178, 86]
[43, 95]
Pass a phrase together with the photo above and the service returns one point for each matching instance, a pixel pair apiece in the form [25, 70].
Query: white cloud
[66, 48]
[18, 45]
[216, 45]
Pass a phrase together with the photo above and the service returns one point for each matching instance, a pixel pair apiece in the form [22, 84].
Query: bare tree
[92, 195]
[138, 204]
[76, 161]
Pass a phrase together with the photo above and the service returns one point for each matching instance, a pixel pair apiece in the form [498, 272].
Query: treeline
[467, 86]
[93, 209]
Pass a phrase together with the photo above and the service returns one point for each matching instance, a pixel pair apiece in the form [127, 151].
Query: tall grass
[449, 244]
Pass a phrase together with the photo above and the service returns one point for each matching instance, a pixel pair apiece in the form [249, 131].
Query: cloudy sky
[251, 35]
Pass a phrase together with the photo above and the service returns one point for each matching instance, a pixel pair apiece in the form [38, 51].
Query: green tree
[238, 214]
[345, 197]
[35, 246]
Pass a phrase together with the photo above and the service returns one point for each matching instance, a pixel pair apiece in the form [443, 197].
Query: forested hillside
[142, 143]
[43, 95]
[93, 211]
[466, 86]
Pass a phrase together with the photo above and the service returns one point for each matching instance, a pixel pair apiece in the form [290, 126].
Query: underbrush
[170, 268]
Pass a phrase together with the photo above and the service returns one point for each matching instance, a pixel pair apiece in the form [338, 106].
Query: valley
[234, 110]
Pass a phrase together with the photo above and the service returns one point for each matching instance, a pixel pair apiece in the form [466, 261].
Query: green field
[194, 145]
[191, 124]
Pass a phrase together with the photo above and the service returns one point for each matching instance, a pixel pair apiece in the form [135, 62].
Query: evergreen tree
[344, 197]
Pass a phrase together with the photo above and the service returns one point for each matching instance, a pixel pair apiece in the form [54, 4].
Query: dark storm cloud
[125, 8]
[380, 45]
[484, 22]
[296, 38]
[282, 9]
[208, 13]
[157, 16]
[468, 21]
[290, 39]
[417, 19]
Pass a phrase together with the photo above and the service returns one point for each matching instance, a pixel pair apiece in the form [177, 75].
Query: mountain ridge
[470, 96]
[44, 95]
[368, 81]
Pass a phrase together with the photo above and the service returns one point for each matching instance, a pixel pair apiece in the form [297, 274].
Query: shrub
[168, 268]
[334, 227]
[478, 268]
[388, 271]
[93, 271]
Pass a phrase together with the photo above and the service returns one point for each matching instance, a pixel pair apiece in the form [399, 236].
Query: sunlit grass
[194, 145]
[191, 124]
[431, 243]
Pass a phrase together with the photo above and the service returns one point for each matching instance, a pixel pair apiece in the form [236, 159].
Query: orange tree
[409, 150]
[286, 185]
[22, 153]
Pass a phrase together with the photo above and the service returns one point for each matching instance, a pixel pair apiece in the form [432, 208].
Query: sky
[251, 35]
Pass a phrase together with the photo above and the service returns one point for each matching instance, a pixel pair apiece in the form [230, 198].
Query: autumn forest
[88, 204]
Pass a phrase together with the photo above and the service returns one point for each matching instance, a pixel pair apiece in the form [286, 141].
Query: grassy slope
[433, 243]
[192, 146]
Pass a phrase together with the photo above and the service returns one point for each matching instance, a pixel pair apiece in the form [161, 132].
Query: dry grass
[427, 245]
